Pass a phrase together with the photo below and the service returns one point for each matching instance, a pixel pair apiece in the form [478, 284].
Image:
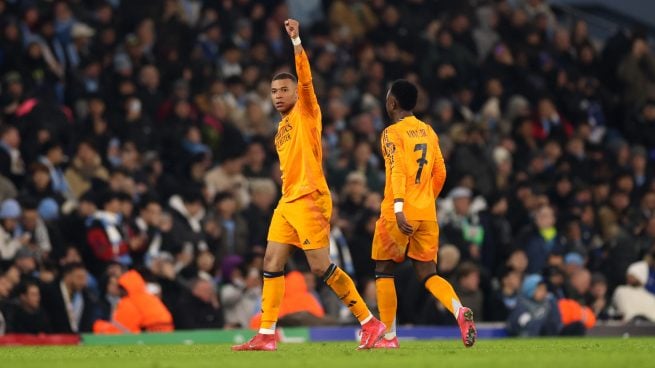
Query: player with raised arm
[302, 217]
[415, 174]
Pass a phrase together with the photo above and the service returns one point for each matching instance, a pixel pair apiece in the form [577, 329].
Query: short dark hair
[146, 200]
[285, 75]
[69, 268]
[406, 93]
[24, 286]
[467, 268]
[49, 146]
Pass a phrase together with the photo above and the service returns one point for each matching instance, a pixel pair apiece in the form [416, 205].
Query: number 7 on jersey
[421, 161]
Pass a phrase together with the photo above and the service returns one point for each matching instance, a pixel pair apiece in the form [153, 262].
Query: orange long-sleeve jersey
[298, 140]
[414, 167]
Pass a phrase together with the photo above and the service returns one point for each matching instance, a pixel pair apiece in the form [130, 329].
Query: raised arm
[306, 96]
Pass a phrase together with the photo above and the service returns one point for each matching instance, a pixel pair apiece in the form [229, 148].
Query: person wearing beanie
[31, 223]
[536, 313]
[632, 301]
[11, 237]
[48, 210]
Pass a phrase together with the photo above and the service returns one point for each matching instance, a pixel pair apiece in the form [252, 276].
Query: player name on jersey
[417, 133]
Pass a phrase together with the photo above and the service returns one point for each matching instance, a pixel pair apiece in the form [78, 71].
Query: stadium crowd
[138, 135]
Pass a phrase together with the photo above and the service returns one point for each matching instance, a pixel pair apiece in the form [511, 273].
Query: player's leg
[423, 247]
[437, 285]
[389, 247]
[280, 235]
[338, 280]
[387, 301]
[275, 258]
[441, 289]
[311, 219]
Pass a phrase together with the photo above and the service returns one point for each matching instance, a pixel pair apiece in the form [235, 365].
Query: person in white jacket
[633, 300]
[11, 236]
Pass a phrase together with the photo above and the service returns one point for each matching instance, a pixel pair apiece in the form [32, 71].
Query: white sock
[365, 320]
[267, 331]
[456, 305]
[392, 332]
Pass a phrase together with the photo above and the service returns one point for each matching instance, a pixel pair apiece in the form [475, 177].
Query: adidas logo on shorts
[306, 242]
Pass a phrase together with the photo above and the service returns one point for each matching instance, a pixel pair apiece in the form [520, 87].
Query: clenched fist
[293, 27]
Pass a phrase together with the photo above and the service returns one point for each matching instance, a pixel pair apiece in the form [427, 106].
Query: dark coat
[192, 313]
[53, 303]
[530, 318]
[28, 322]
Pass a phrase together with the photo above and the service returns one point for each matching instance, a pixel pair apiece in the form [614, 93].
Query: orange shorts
[390, 244]
[303, 222]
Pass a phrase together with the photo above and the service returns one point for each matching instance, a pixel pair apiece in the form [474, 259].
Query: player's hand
[403, 225]
[293, 27]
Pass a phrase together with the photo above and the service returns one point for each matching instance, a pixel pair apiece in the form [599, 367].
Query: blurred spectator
[598, 298]
[52, 156]
[505, 298]
[462, 226]
[28, 317]
[11, 237]
[352, 18]
[636, 72]
[233, 230]
[632, 301]
[540, 241]
[73, 225]
[11, 161]
[260, 211]
[104, 236]
[471, 158]
[137, 311]
[200, 309]
[186, 235]
[255, 161]
[240, 293]
[536, 313]
[227, 177]
[85, 166]
[497, 233]
[145, 231]
[69, 306]
[467, 285]
[33, 225]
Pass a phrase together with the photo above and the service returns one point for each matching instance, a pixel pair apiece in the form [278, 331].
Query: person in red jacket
[549, 123]
[105, 237]
[137, 311]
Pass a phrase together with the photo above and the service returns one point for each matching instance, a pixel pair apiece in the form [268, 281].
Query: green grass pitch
[529, 353]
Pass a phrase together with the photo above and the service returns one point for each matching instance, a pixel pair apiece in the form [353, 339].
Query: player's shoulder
[429, 130]
[391, 128]
[390, 131]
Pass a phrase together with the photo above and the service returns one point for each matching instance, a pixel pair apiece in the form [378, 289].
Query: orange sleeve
[128, 315]
[394, 157]
[438, 170]
[306, 95]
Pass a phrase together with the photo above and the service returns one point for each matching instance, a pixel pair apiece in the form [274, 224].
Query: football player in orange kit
[415, 174]
[302, 217]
